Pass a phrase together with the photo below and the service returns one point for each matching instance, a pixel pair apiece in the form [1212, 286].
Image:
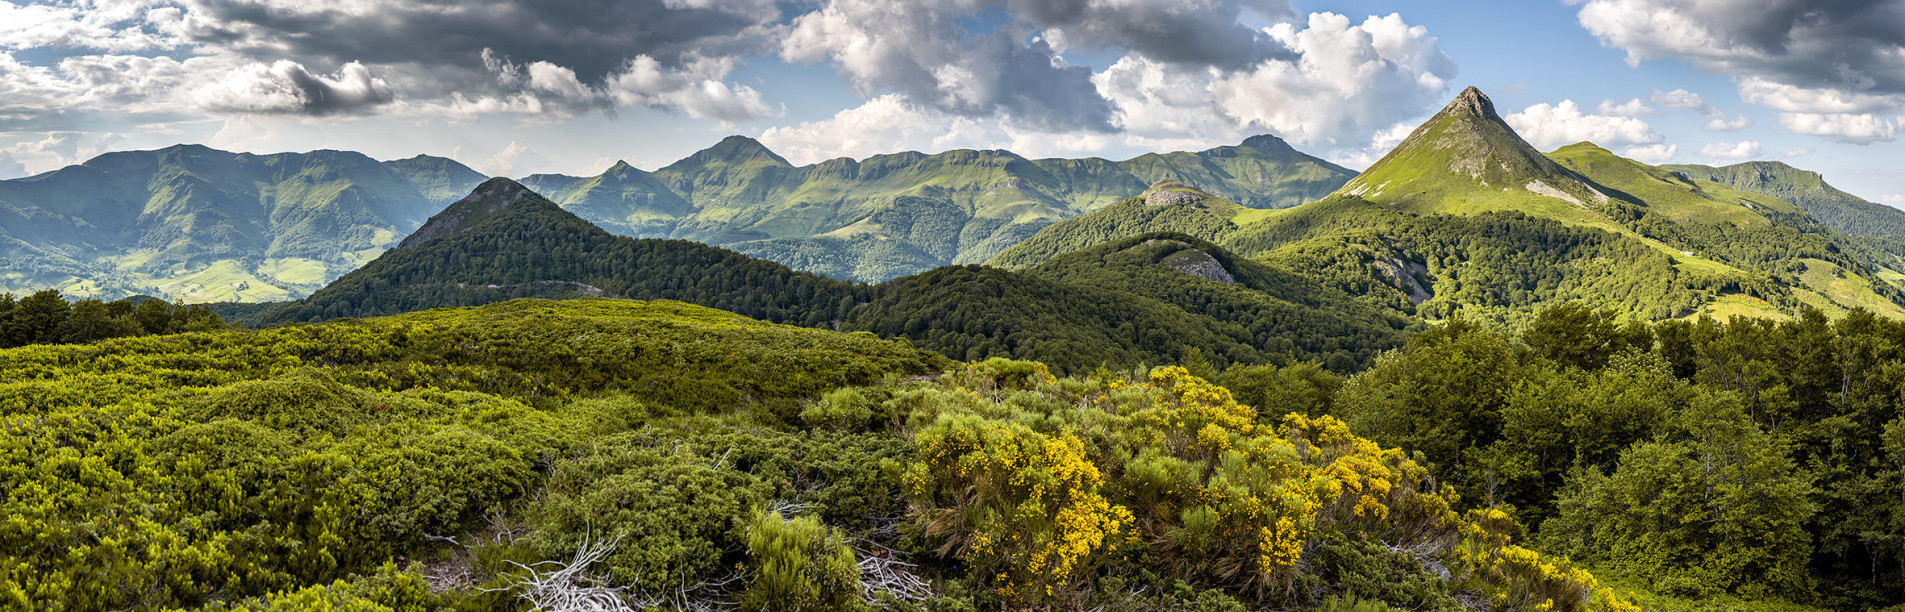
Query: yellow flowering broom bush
[1039, 483]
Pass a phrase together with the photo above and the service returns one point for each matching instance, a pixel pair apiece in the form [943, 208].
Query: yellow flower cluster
[1043, 516]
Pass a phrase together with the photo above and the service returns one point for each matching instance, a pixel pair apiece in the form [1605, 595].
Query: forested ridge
[1124, 307]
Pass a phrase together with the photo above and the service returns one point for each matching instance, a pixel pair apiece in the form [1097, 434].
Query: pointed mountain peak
[1461, 153]
[493, 197]
[738, 148]
[619, 167]
[1470, 103]
[1267, 142]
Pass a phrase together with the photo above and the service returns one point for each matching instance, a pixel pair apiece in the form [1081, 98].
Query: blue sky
[518, 86]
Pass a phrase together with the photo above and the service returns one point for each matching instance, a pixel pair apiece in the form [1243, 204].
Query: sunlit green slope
[190, 222]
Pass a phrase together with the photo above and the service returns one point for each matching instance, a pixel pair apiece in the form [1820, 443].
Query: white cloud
[287, 87]
[516, 159]
[1855, 44]
[11, 168]
[1731, 150]
[50, 150]
[1631, 108]
[1680, 98]
[695, 89]
[920, 49]
[1795, 99]
[1346, 81]
[1720, 124]
[888, 124]
[1549, 126]
[1841, 127]
[1652, 154]
[1895, 199]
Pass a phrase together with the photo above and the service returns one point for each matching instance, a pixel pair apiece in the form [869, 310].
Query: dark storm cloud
[594, 38]
[1023, 82]
[1848, 45]
[1178, 31]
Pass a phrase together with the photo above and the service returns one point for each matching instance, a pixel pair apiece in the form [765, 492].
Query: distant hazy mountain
[204, 225]
[898, 214]
[198, 224]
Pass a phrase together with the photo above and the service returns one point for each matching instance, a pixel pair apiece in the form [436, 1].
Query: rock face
[1200, 264]
[1473, 103]
[1167, 192]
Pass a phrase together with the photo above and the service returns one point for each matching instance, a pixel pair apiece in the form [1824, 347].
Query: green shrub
[799, 565]
[845, 409]
[672, 516]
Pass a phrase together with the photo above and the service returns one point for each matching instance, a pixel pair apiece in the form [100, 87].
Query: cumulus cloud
[920, 50]
[287, 87]
[1346, 81]
[1631, 108]
[1652, 154]
[1829, 67]
[1855, 44]
[888, 123]
[516, 159]
[696, 89]
[1336, 86]
[50, 150]
[1547, 126]
[10, 167]
[1842, 127]
[1797, 99]
[1680, 98]
[1721, 124]
[396, 56]
[1731, 150]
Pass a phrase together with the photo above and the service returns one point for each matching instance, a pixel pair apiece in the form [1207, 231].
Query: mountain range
[193, 223]
[1463, 217]
[1145, 299]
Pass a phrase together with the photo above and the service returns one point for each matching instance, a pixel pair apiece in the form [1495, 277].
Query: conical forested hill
[504, 241]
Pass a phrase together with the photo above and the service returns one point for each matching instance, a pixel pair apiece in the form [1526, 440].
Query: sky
[515, 87]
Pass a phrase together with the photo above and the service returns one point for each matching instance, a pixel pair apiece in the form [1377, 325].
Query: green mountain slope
[1139, 303]
[903, 213]
[1877, 225]
[1167, 206]
[190, 222]
[1264, 172]
[623, 200]
[1464, 215]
